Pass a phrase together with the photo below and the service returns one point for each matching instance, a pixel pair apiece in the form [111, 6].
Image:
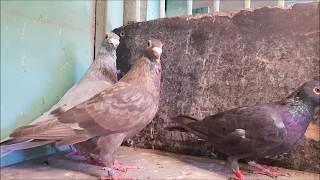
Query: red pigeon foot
[239, 175]
[123, 167]
[266, 170]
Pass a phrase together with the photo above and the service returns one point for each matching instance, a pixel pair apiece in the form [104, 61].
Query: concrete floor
[155, 165]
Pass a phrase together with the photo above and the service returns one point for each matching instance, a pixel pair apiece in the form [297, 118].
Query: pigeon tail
[193, 125]
[176, 128]
[51, 130]
[11, 146]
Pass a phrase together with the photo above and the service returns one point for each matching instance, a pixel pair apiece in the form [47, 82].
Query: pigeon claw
[117, 177]
[268, 171]
[75, 154]
[112, 175]
[239, 175]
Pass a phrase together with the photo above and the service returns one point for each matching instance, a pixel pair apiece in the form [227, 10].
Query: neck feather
[145, 73]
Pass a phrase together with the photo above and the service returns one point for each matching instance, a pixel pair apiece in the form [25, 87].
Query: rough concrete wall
[216, 62]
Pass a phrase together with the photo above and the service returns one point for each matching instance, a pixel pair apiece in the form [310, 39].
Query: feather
[6, 149]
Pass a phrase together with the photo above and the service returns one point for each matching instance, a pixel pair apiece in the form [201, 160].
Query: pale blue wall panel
[153, 9]
[177, 8]
[114, 14]
[46, 46]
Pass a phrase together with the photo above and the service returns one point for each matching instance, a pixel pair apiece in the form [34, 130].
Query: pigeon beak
[157, 52]
[115, 42]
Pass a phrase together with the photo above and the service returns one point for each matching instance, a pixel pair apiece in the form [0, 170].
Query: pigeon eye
[122, 34]
[149, 44]
[316, 90]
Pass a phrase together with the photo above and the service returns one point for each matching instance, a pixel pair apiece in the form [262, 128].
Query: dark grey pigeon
[260, 130]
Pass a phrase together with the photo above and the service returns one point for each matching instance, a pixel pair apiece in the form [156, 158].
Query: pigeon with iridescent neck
[260, 130]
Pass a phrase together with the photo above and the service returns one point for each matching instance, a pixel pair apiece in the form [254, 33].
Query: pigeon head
[308, 92]
[111, 40]
[311, 92]
[153, 50]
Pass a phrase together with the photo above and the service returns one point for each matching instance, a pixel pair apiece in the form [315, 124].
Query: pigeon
[102, 74]
[260, 130]
[122, 110]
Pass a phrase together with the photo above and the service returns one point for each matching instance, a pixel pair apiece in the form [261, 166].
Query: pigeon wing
[246, 130]
[118, 109]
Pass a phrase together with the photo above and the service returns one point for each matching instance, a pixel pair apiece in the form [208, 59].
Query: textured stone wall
[215, 62]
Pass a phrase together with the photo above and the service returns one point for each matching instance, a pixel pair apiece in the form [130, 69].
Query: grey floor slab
[155, 165]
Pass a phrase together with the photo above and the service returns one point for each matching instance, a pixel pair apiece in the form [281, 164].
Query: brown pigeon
[260, 130]
[124, 109]
[100, 75]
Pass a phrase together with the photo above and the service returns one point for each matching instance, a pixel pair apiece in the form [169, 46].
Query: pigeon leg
[235, 168]
[116, 164]
[94, 161]
[108, 144]
[268, 171]
[74, 151]
[75, 154]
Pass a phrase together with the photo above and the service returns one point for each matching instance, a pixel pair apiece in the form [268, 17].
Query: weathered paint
[43, 53]
[114, 14]
[100, 24]
[162, 8]
[225, 6]
[131, 11]
[262, 3]
[281, 3]
[153, 9]
[216, 5]
[247, 4]
[189, 7]
[143, 10]
[201, 10]
[177, 8]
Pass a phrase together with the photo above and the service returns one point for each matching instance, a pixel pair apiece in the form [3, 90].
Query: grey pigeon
[124, 109]
[260, 130]
[100, 76]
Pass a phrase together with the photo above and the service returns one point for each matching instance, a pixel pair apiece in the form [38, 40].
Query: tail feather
[14, 141]
[176, 128]
[193, 125]
[44, 130]
[8, 148]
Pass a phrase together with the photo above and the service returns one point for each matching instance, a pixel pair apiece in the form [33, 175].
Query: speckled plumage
[112, 114]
